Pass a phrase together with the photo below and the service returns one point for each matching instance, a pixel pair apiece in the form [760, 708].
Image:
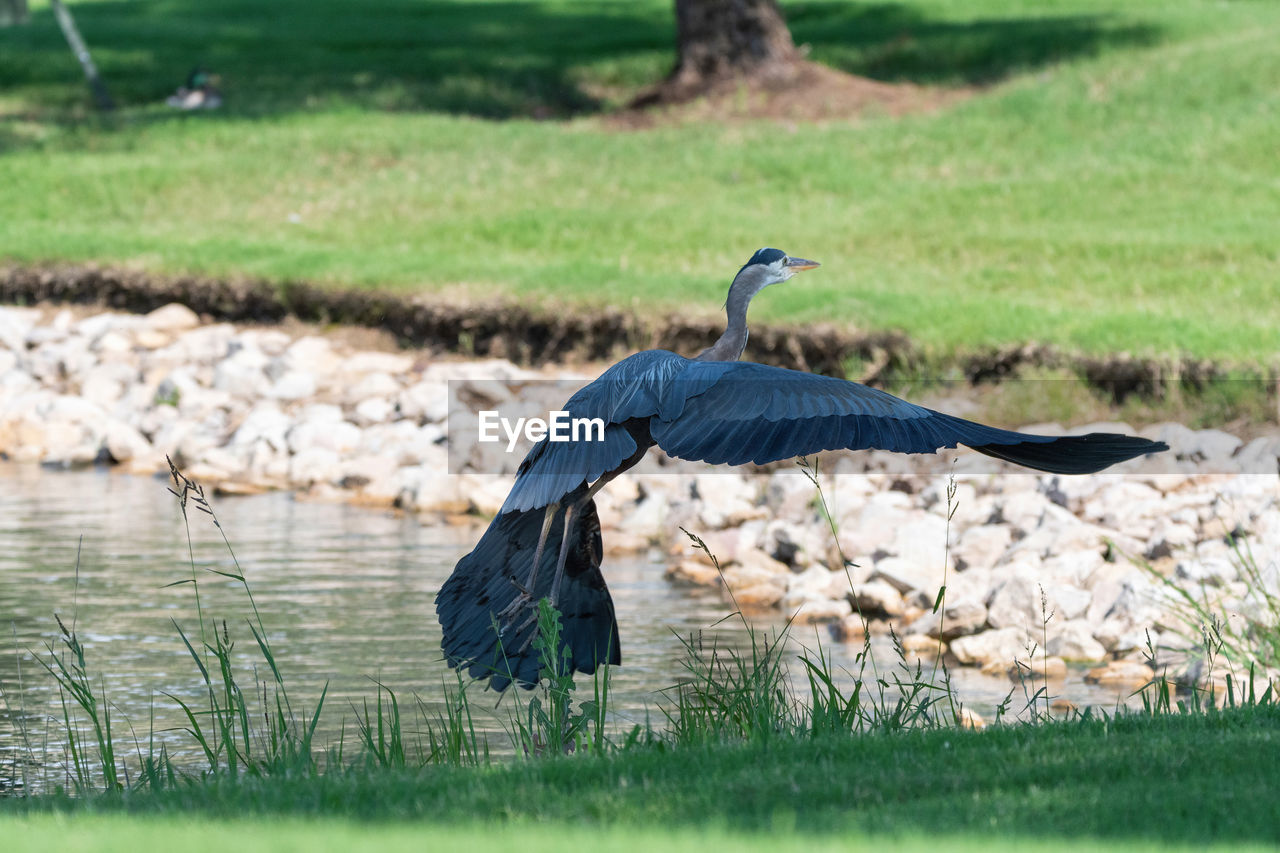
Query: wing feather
[739, 412]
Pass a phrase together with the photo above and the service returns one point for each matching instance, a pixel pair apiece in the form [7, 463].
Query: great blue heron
[545, 541]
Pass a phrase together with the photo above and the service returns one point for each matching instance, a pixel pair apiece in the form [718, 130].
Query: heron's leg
[564, 549]
[572, 510]
[569, 512]
[526, 592]
[550, 515]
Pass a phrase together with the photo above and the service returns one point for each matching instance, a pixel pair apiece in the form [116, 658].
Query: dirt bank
[537, 337]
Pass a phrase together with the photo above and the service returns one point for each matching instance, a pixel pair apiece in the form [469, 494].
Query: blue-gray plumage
[714, 409]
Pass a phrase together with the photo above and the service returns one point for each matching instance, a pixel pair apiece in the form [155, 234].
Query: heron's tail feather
[485, 581]
[1073, 454]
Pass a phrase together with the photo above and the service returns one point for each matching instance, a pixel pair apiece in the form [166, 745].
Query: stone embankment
[1038, 569]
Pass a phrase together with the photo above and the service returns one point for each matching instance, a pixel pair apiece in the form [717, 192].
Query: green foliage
[1237, 640]
[547, 723]
[230, 737]
[1110, 193]
[75, 690]
[1190, 779]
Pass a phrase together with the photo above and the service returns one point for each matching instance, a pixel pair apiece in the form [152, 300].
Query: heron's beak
[800, 264]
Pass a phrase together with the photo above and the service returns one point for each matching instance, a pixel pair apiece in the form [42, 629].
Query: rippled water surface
[346, 594]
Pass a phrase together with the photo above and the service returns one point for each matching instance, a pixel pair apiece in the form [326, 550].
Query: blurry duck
[198, 93]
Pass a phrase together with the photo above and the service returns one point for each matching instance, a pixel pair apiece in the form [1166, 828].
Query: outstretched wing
[632, 389]
[739, 412]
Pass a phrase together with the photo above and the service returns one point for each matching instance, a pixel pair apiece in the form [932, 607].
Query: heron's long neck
[734, 340]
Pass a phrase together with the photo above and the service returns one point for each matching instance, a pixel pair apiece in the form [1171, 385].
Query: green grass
[1110, 187]
[1177, 779]
[82, 833]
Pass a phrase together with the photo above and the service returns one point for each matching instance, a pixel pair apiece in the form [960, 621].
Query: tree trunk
[81, 51]
[721, 40]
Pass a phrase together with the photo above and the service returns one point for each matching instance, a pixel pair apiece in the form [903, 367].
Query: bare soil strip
[540, 336]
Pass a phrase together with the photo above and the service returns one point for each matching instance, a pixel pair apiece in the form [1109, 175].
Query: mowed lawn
[1111, 184]
[95, 834]
[1167, 782]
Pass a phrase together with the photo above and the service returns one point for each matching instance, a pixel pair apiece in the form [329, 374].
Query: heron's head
[772, 266]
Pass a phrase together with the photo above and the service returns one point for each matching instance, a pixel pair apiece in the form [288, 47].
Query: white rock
[112, 343]
[906, 576]
[15, 325]
[1126, 673]
[1074, 641]
[105, 384]
[433, 490]
[371, 385]
[812, 583]
[272, 342]
[95, 326]
[1260, 456]
[124, 443]
[992, 648]
[1169, 536]
[1074, 491]
[789, 494]
[982, 546]
[425, 402]
[1214, 571]
[15, 382]
[1124, 505]
[813, 611]
[377, 362]
[1069, 602]
[376, 477]
[310, 354]
[265, 422]
[293, 385]
[204, 345]
[1020, 602]
[759, 566]
[963, 616]
[1023, 509]
[242, 374]
[373, 410]
[798, 545]
[317, 432]
[922, 541]
[649, 517]
[956, 619]
[200, 404]
[876, 599]
[320, 413]
[1214, 445]
[725, 499]
[174, 317]
[52, 363]
[221, 463]
[486, 492]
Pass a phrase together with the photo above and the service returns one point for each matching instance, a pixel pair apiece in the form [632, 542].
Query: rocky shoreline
[1085, 569]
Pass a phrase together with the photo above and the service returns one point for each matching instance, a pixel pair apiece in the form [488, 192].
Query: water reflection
[346, 595]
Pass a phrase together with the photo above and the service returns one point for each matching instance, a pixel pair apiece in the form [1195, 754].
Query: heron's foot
[515, 630]
[508, 626]
[520, 603]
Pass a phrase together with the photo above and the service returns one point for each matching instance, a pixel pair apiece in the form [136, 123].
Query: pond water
[346, 595]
